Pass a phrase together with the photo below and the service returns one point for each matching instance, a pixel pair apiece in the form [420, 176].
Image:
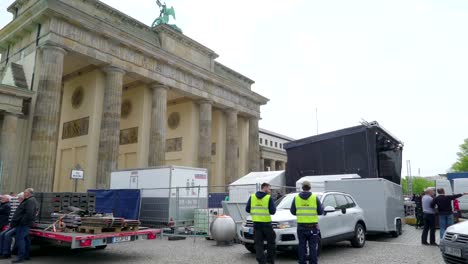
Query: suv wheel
[250, 247]
[359, 239]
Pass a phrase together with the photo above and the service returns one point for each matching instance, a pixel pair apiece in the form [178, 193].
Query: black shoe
[425, 243]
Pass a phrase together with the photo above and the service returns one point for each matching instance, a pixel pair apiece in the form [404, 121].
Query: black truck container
[367, 150]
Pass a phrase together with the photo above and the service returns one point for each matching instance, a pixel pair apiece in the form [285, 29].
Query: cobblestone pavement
[381, 249]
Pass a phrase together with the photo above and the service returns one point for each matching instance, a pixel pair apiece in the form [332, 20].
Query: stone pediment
[13, 75]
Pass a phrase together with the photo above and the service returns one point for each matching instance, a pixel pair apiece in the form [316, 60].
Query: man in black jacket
[4, 211]
[22, 220]
[444, 206]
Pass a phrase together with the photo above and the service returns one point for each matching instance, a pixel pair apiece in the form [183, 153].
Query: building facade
[104, 91]
[272, 152]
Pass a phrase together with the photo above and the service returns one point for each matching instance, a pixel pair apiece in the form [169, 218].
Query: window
[271, 143]
[281, 146]
[341, 201]
[351, 203]
[261, 140]
[276, 144]
[329, 200]
[266, 142]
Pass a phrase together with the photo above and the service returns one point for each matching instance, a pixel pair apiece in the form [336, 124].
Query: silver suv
[343, 221]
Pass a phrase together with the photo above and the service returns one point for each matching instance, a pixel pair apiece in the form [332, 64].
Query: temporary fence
[189, 211]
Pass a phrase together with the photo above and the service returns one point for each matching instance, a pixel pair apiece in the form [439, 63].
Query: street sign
[77, 174]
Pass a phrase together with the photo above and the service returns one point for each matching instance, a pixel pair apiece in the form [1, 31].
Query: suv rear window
[351, 203]
[341, 201]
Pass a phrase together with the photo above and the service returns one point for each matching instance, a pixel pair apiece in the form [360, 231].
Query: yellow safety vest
[259, 209]
[306, 210]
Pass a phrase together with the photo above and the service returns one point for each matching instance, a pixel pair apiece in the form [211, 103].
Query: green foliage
[419, 184]
[462, 163]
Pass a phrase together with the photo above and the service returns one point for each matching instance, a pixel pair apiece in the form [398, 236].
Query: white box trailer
[168, 193]
[445, 184]
[240, 190]
[460, 186]
[381, 200]
[318, 181]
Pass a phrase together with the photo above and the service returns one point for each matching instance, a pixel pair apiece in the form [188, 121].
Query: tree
[462, 163]
[419, 184]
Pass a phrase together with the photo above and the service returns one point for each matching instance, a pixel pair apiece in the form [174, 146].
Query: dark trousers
[264, 232]
[6, 238]
[308, 237]
[22, 242]
[429, 225]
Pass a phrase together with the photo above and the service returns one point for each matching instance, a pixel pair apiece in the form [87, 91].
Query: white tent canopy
[318, 181]
[240, 190]
[274, 178]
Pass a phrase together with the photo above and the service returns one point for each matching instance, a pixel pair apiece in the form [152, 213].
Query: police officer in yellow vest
[261, 206]
[307, 207]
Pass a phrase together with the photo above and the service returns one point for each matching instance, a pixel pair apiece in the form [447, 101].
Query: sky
[403, 63]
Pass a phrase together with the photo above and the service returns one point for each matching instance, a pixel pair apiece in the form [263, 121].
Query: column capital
[230, 110]
[204, 101]
[158, 86]
[112, 69]
[49, 46]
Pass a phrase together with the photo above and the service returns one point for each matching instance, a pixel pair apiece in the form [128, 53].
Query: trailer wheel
[399, 229]
[359, 239]
[101, 247]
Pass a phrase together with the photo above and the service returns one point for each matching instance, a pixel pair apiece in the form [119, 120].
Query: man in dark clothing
[261, 206]
[22, 220]
[4, 211]
[307, 213]
[444, 206]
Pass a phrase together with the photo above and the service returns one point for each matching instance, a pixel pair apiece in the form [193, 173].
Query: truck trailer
[381, 200]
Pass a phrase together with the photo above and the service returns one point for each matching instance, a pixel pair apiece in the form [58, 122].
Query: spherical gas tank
[223, 229]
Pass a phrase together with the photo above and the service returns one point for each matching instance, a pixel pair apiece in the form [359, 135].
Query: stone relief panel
[75, 128]
[174, 120]
[174, 144]
[77, 97]
[126, 109]
[129, 136]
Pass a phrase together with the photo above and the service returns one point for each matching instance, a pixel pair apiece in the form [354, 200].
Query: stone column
[272, 165]
[8, 152]
[254, 145]
[262, 164]
[232, 147]
[204, 138]
[45, 126]
[109, 139]
[157, 151]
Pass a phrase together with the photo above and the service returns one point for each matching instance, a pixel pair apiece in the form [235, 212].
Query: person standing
[22, 220]
[261, 206]
[5, 209]
[307, 207]
[6, 236]
[444, 206]
[429, 218]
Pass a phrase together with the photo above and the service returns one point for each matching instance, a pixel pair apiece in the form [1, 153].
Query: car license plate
[122, 239]
[251, 231]
[453, 251]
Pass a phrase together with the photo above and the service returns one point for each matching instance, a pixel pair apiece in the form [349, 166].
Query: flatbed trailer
[75, 240]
